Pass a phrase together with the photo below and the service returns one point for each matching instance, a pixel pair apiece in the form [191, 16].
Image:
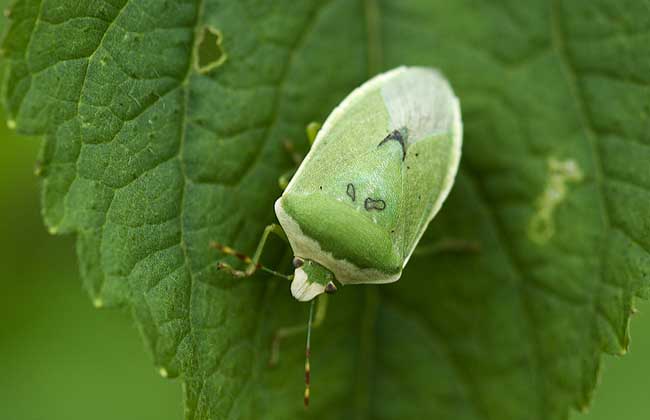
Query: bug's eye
[297, 262]
[330, 288]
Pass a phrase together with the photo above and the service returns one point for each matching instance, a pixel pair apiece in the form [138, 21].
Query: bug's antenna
[252, 265]
[308, 353]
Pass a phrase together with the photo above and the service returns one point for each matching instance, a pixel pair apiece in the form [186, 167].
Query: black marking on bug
[351, 192]
[297, 262]
[371, 204]
[400, 136]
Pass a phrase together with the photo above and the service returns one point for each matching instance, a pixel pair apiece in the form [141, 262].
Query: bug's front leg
[253, 263]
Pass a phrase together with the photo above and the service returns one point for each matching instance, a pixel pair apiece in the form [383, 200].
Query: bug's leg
[296, 156]
[253, 264]
[449, 245]
[284, 179]
[282, 333]
[312, 130]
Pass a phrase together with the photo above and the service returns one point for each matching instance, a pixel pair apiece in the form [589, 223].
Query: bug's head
[310, 279]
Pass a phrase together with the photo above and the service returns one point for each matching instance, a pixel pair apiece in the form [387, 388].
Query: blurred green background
[61, 358]
[64, 360]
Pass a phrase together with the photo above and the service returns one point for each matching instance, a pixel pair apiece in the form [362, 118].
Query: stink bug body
[377, 173]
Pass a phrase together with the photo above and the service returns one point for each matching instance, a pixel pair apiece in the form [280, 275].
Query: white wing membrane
[423, 102]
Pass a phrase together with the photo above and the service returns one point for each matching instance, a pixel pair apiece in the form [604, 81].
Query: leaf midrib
[186, 180]
[274, 120]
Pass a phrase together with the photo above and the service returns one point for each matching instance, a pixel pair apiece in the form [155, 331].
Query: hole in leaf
[209, 53]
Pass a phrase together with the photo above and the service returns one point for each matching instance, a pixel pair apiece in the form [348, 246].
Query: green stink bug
[377, 173]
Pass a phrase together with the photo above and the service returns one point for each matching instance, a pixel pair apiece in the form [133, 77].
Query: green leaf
[153, 150]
